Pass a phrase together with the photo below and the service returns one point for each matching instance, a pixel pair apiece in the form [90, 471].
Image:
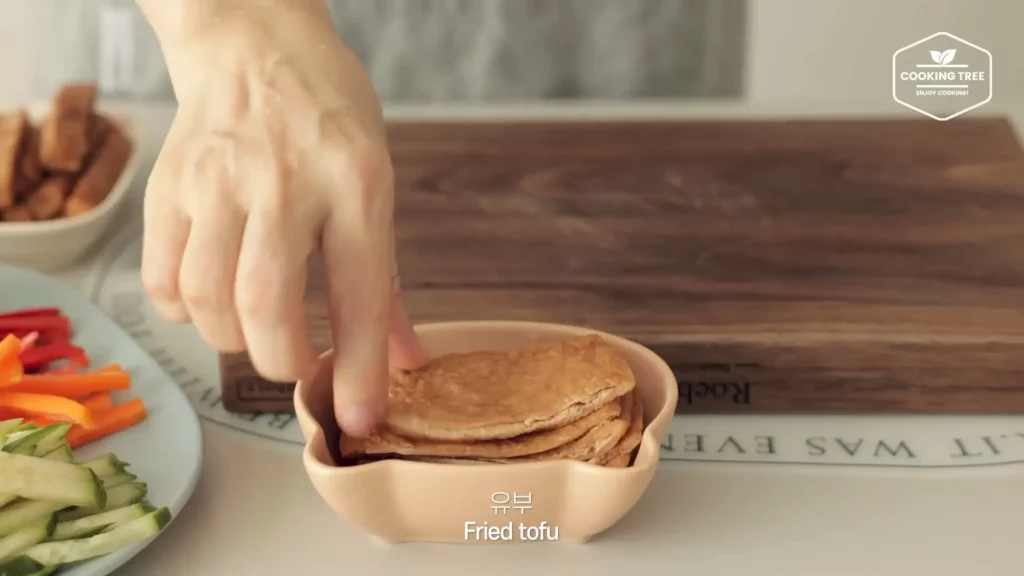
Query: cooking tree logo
[942, 76]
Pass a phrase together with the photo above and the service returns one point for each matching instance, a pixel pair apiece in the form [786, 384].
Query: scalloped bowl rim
[648, 452]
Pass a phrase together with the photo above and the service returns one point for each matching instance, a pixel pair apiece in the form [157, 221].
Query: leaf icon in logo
[936, 56]
[948, 55]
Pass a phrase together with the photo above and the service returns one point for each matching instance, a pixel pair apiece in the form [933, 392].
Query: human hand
[277, 153]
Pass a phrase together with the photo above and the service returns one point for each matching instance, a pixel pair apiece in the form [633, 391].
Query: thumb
[405, 350]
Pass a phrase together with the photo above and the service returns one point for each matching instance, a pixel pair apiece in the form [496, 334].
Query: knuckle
[208, 171]
[160, 285]
[275, 366]
[165, 169]
[228, 343]
[274, 371]
[276, 200]
[373, 167]
[221, 341]
[253, 295]
[199, 293]
[367, 167]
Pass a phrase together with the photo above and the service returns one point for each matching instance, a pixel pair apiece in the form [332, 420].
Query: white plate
[165, 450]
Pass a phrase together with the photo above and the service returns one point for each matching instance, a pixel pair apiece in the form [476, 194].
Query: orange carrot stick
[98, 401]
[11, 369]
[72, 385]
[72, 369]
[54, 407]
[10, 345]
[107, 422]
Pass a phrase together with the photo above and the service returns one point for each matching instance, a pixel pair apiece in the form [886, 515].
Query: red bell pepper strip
[30, 313]
[50, 328]
[29, 341]
[30, 324]
[41, 356]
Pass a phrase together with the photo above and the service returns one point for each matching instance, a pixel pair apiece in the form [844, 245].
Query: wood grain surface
[825, 266]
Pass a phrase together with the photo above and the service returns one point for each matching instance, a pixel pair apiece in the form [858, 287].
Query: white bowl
[53, 244]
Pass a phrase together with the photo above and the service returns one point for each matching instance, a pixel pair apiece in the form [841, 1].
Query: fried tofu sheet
[572, 399]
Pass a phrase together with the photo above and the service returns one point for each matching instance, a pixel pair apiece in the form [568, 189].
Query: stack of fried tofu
[64, 167]
[571, 399]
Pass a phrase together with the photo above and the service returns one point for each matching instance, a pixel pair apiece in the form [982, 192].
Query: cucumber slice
[117, 497]
[7, 427]
[42, 479]
[146, 509]
[97, 522]
[49, 554]
[22, 513]
[56, 437]
[61, 454]
[27, 442]
[117, 480]
[106, 465]
[24, 566]
[89, 533]
[21, 540]
[15, 436]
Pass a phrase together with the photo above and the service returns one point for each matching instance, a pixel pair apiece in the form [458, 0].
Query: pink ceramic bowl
[399, 500]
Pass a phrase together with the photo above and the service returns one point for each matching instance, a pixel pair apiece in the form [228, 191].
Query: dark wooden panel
[837, 266]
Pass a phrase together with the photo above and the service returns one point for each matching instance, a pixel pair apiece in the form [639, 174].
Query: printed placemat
[912, 443]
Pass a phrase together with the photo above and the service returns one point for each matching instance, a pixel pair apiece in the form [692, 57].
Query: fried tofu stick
[64, 138]
[101, 175]
[30, 171]
[99, 126]
[12, 132]
[47, 201]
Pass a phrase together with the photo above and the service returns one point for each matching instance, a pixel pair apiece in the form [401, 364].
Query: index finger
[358, 251]
[165, 233]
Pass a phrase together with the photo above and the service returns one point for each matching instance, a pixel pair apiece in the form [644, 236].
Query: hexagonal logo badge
[942, 76]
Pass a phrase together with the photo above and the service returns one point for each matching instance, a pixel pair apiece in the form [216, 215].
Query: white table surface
[254, 511]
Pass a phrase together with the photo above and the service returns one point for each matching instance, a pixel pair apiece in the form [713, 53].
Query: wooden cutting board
[825, 266]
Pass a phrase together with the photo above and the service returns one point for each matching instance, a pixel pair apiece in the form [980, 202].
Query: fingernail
[357, 421]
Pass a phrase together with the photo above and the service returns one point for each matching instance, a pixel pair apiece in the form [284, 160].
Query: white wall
[841, 50]
[16, 60]
[832, 50]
